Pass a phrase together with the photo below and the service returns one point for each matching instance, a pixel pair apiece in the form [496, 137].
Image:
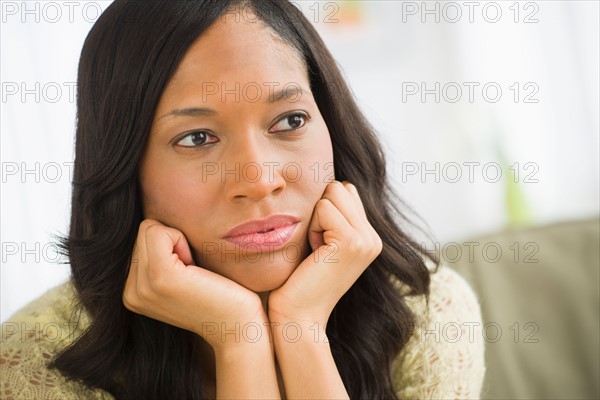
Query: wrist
[236, 335]
[299, 333]
[246, 348]
[283, 312]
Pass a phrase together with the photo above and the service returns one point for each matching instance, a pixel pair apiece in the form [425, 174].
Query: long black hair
[128, 58]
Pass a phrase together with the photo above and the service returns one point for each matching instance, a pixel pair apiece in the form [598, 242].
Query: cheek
[315, 164]
[169, 195]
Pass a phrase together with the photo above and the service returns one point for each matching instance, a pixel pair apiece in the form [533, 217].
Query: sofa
[539, 293]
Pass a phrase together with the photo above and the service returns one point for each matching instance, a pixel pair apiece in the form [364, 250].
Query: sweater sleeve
[444, 358]
[30, 340]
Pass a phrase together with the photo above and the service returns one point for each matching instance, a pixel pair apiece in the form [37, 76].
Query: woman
[232, 231]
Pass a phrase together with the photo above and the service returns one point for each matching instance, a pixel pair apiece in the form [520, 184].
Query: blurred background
[489, 113]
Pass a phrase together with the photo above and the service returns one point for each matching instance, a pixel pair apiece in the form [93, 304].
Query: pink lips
[266, 234]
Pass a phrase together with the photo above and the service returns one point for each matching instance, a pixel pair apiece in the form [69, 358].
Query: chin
[262, 279]
[260, 287]
[257, 272]
[255, 276]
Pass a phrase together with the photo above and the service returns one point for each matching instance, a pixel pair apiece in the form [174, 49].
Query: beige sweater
[443, 360]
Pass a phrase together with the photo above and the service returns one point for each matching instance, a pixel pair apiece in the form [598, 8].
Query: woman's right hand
[164, 284]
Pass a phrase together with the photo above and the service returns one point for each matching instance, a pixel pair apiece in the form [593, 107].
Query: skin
[176, 278]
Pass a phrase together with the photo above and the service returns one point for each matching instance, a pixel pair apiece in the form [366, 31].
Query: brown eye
[295, 121]
[290, 122]
[194, 139]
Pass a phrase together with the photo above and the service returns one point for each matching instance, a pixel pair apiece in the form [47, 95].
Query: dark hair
[128, 58]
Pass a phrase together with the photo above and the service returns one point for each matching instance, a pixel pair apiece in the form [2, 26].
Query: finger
[354, 191]
[130, 289]
[141, 250]
[139, 259]
[327, 224]
[181, 247]
[180, 244]
[137, 268]
[347, 202]
[160, 246]
[315, 231]
[143, 245]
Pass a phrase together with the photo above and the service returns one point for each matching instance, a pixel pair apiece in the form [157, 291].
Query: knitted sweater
[443, 359]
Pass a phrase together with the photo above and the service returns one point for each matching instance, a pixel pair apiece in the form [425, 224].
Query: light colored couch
[541, 309]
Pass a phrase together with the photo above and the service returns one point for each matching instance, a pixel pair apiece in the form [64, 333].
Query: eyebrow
[276, 96]
[285, 94]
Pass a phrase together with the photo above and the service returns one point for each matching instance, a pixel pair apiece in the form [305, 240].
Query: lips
[271, 232]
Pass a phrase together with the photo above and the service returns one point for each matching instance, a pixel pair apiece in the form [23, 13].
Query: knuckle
[375, 250]
[159, 285]
[332, 186]
[153, 229]
[145, 224]
[364, 246]
[144, 294]
[355, 244]
[158, 281]
[322, 205]
[130, 300]
[377, 243]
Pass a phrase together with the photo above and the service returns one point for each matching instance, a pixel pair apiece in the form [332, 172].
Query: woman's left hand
[344, 244]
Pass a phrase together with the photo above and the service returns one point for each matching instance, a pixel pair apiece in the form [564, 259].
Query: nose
[252, 172]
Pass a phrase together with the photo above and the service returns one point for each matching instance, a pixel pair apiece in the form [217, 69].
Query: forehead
[243, 51]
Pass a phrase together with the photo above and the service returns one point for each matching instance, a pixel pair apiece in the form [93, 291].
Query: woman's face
[237, 136]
